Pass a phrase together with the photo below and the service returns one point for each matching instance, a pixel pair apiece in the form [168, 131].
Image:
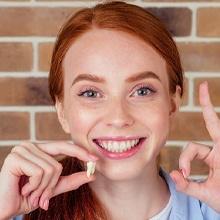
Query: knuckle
[18, 149]
[39, 172]
[49, 170]
[59, 168]
[11, 158]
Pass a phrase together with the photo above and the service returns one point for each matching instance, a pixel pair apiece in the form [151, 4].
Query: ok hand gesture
[209, 190]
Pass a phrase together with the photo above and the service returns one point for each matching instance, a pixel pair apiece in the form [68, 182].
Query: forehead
[102, 51]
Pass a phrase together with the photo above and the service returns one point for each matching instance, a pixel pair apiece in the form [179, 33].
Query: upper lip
[117, 138]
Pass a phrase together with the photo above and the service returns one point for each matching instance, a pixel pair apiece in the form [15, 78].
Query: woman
[116, 81]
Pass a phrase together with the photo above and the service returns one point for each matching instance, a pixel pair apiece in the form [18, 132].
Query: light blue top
[184, 207]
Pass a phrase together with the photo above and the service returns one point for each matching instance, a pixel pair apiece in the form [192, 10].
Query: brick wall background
[27, 32]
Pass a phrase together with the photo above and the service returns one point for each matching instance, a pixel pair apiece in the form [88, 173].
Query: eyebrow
[88, 77]
[134, 78]
[142, 75]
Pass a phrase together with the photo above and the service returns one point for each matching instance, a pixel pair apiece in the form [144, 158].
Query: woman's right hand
[30, 176]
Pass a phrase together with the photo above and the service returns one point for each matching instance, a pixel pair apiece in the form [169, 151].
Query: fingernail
[173, 178]
[25, 194]
[93, 157]
[183, 171]
[46, 204]
[36, 202]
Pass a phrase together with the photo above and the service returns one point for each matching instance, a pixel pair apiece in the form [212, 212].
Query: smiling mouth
[118, 146]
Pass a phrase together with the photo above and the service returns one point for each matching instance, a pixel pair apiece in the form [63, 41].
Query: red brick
[169, 158]
[16, 56]
[24, 91]
[208, 22]
[44, 56]
[4, 151]
[14, 126]
[178, 20]
[32, 21]
[200, 57]
[49, 128]
[190, 126]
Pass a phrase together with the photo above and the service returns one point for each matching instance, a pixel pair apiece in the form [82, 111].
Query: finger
[211, 119]
[190, 188]
[72, 182]
[66, 148]
[52, 168]
[49, 179]
[13, 172]
[47, 166]
[192, 151]
[46, 192]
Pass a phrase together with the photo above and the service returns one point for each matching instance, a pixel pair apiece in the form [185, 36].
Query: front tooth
[115, 146]
[90, 168]
[110, 147]
[122, 146]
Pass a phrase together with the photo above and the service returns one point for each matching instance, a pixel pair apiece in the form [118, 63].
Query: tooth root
[93, 167]
[90, 168]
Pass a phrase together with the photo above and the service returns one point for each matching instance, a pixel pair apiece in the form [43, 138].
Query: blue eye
[144, 91]
[89, 94]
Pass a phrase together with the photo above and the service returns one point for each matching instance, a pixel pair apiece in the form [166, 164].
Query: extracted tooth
[90, 168]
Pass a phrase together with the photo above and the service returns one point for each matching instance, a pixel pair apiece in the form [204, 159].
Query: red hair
[82, 204]
[122, 17]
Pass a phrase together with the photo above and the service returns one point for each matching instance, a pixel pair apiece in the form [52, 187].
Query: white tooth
[105, 145]
[136, 142]
[115, 146]
[90, 168]
[93, 167]
[128, 145]
[132, 143]
[122, 146]
[110, 147]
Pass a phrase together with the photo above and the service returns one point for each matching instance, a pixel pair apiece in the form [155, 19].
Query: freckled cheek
[159, 121]
[81, 122]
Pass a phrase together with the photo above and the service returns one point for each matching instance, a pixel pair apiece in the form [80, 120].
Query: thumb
[71, 182]
[185, 186]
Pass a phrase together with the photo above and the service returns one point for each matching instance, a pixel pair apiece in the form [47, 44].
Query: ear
[175, 103]
[61, 115]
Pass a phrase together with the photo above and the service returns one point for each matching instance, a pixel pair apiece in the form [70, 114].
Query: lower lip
[121, 155]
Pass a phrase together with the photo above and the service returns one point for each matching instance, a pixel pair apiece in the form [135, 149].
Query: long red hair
[82, 204]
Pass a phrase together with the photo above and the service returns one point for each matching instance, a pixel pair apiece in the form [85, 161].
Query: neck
[139, 198]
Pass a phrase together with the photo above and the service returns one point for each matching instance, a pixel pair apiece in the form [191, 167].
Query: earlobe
[61, 115]
[175, 102]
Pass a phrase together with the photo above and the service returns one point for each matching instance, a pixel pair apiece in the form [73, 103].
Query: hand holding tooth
[35, 164]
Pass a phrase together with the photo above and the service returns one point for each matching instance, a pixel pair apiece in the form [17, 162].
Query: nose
[119, 114]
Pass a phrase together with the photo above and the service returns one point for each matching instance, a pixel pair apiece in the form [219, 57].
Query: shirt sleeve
[20, 217]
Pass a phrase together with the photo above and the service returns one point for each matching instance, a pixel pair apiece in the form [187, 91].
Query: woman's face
[116, 101]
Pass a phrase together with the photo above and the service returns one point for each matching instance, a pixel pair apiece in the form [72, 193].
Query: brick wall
[27, 32]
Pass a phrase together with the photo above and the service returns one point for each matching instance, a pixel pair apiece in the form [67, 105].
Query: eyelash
[149, 89]
[88, 90]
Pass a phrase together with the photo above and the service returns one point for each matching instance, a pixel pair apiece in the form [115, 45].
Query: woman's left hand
[209, 190]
